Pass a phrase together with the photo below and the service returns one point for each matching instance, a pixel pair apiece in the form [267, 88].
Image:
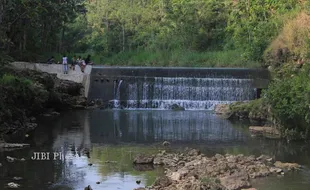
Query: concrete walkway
[75, 76]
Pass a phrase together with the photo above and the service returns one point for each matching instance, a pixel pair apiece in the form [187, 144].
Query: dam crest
[160, 88]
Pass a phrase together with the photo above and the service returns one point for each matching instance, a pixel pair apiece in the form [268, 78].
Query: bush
[289, 99]
[21, 93]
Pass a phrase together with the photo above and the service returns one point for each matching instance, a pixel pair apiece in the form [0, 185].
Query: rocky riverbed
[195, 171]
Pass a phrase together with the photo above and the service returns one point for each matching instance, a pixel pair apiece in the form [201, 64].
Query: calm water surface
[116, 136]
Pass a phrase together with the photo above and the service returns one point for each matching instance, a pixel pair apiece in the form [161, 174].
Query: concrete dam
[160, 88]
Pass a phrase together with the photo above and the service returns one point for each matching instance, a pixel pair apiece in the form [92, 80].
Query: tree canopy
[109, 27]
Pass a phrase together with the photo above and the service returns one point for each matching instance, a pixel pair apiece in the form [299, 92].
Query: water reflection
[157, 126]
[114, 137]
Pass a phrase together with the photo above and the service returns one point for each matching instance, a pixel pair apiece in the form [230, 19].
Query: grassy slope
[173, 59]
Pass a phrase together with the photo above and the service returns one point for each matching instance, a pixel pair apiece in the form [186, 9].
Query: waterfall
[190, 93]
[117, 93]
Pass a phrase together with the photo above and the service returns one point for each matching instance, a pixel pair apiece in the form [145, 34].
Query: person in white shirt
[83, 65]
[65, 64]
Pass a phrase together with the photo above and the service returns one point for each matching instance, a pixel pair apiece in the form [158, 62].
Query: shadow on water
[110, 139]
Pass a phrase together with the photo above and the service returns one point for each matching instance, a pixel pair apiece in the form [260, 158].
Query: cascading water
[117, 93]
[190, 93]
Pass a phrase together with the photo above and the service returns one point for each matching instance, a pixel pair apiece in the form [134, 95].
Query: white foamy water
[190, 93]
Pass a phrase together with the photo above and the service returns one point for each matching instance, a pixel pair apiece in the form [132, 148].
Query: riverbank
[257, 112]
[27, 94]
[192, 170]
[270, 118]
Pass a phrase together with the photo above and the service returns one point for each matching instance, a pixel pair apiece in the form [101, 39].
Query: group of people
[73, 62]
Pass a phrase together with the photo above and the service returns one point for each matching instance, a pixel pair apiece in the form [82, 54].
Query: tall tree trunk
[43, 38]
[24, 37]
[62, 38]
[24, 41]
[123, 28]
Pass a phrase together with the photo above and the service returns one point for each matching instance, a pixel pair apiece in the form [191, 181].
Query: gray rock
[269, 159]
[140, 188]
[288, 166]
[13, 185]
[55, 113]
[162, 181]
[17, 178]
[219, 157]
[10, 159]
[166, 143]
[33, 119]
[143, 159]
[222, 109]
[88, 188]
[194, 152]
[264, 158]
[275, 170]
[176, 107]
[236, 181]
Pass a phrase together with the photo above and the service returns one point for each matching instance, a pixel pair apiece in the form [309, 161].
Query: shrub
[22, 93]
[289, 99]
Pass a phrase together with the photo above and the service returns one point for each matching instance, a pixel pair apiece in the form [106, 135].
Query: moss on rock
[256, 110]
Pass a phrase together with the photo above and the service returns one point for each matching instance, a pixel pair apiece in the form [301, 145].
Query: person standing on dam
[73, 62]
[65, 64]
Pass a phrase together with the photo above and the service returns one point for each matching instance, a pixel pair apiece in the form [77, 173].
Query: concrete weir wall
[75, 76]
[104, 80]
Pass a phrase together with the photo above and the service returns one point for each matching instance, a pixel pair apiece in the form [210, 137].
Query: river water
[114, 137]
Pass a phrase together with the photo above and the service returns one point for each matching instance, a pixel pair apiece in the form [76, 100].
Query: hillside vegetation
[211, 33]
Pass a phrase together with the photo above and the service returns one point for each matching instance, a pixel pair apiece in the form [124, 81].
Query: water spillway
[160, 88]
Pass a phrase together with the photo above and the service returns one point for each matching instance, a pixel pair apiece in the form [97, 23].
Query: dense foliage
[134, 30]
[30, 27]
[289, 99]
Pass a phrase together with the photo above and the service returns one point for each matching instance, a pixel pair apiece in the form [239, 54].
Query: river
[114, 137]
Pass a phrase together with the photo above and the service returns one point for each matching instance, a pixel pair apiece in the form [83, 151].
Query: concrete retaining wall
[75, 76]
